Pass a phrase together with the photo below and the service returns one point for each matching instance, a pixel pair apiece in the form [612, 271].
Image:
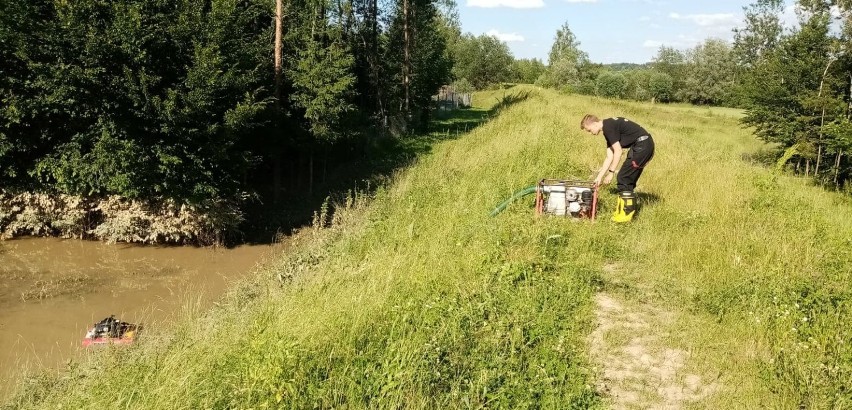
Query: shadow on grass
[449, 124]
[644, 199]
[363, 166]
[767, 157]
[647, 198]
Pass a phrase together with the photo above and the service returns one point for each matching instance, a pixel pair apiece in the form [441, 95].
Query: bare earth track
[636, 368]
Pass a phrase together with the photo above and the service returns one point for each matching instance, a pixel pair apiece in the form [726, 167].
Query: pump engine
[576, 199]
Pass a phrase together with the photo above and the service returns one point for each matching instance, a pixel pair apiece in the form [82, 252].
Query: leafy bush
[611, 85]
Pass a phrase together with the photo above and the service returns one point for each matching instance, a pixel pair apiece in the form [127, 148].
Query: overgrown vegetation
[415, 298]
[796, 88]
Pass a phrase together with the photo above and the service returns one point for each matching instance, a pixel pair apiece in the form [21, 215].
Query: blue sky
[610, 31]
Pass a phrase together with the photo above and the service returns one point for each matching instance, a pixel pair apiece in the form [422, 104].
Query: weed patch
[46, 289]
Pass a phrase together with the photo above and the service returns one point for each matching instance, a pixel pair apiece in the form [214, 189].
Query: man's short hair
[588, 119]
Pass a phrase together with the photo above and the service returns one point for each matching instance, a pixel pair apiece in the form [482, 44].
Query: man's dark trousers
[639, 155]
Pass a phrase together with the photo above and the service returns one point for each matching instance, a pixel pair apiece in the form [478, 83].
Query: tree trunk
[819, 158]
[311, 173]
[350, 19]
[375, 70]
[277, 162]
[821, 117]
[369, 38]
[294, 174]
[314, 23]
[342, 22]
[837, 167]
[279, 15]
[300, 184]
[374, 23]
[277, 180]
[406, 65]
[807, 167]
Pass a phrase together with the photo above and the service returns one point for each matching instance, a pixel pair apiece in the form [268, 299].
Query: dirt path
[637, 369]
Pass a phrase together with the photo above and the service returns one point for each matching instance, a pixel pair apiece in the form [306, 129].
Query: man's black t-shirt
[622, 130]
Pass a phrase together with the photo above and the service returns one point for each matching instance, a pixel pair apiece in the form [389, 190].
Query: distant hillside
[626, 66]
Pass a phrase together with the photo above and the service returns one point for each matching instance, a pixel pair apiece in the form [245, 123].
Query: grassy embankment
[417, 299]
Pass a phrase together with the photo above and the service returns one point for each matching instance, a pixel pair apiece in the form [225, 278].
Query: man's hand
[613, 155]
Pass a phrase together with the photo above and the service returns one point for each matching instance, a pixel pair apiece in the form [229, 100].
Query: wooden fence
[449, 99]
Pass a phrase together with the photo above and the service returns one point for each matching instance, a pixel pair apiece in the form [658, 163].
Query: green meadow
[411, 296]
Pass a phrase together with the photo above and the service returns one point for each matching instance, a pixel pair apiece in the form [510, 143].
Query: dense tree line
[484, 61]
[797, 85]
[196, 100]
[703, 75]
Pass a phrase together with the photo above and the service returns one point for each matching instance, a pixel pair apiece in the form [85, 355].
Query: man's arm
[613, 155]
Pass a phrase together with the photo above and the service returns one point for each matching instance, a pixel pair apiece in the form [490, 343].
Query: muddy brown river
[53, 290]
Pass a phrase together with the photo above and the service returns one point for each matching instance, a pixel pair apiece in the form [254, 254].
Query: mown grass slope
[415, 298]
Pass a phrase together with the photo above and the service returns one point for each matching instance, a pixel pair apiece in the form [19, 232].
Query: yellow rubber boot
[619, 209]
[626, 207]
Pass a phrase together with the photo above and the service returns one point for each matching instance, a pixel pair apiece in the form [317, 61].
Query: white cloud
[681, 42]
[707, 20]
[644, 18]
[507, 37]
[515, 4]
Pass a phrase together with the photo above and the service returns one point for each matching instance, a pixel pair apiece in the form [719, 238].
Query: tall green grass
[412, 297]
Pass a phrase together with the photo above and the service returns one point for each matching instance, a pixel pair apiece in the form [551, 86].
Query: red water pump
[576, 199]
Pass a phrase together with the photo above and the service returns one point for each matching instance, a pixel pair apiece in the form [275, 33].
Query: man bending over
[621, 133]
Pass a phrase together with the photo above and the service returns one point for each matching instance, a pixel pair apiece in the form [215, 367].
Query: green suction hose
[516, 195]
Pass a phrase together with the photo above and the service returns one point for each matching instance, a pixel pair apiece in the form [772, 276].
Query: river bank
[116, 219]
